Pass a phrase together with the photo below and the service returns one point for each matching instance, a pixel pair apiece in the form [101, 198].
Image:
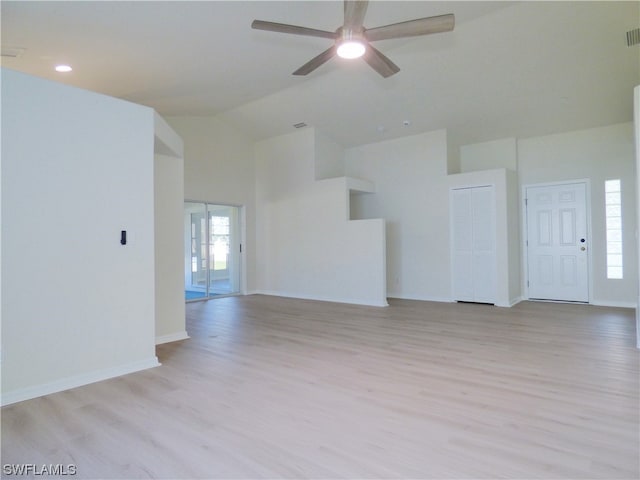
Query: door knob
[583, 248]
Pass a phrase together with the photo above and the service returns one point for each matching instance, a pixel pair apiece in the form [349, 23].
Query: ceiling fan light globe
[351, 49]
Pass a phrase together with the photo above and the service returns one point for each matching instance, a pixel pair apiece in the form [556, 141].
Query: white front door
[557, 243]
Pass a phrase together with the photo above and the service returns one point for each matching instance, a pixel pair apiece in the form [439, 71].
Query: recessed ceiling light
[63, 68]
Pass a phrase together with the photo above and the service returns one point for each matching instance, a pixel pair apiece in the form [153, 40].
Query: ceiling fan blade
[412, 28]
[292, 29]
[354, 12]
[315, 62]
[379, 62]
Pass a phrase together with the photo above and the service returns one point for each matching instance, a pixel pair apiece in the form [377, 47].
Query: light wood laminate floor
[271, 387]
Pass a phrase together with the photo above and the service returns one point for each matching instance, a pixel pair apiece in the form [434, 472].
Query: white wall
[168, 202]
[329, 157]
[77, 168]
[636, 130]
[219, 168]
[412, 194]
[501, 153]
[169, 242]
[454, 161]
[596, 154]
[307, 247]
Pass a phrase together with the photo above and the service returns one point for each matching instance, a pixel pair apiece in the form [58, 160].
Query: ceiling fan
[353, 40]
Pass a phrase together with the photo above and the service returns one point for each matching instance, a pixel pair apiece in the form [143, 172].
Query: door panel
[473, 240]
[463, 276]
[568, 227]
[557, 258]
[545, 270]
[462, 245]
[544, 228]
[195, 254]
[568, 270]
[484, 240]
[484, 265]
[224, 249]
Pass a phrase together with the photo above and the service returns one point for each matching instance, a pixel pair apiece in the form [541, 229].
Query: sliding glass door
[212, 250]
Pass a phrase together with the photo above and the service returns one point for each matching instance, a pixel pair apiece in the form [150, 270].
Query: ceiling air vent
[633, 37]
[12, 52]
[299, 125]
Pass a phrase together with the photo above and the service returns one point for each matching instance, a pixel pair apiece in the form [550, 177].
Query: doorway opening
[212, 250]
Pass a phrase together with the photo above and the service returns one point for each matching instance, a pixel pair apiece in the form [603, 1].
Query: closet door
[473, 244]
[484, 241]
[462, 244]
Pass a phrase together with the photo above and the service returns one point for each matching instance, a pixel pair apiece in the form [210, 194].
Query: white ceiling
[508, 69]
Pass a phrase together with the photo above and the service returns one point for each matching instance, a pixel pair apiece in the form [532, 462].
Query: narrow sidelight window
[613, 206]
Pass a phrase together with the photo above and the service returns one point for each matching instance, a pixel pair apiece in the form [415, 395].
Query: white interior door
[557, 243]
[462, 244]
[473, 244]
[484, 244]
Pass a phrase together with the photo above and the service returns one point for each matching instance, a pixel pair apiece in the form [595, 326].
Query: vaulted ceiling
[508, 68]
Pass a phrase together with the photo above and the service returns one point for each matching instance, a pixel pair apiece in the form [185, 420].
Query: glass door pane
[212, 250]
[224, 249]
[196, 271]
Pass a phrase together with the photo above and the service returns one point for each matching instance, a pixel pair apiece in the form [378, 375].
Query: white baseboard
[322, 298]
[607, 303]
[510, 303]
[172, 337]
[515, 301]
[7, 398]
[595, 303]
[422, 298]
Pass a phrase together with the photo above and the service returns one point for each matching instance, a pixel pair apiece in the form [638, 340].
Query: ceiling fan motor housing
[350, 43]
